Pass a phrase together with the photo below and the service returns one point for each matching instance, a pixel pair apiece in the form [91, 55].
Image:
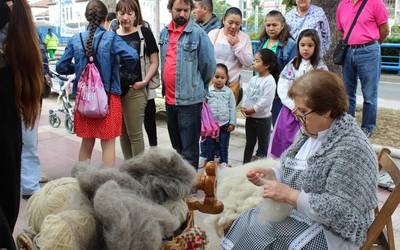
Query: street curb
[240, 131]
[395, 152]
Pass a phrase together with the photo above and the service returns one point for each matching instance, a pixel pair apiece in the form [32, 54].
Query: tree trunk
[330, 12]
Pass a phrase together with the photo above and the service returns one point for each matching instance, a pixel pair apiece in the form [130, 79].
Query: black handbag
[339, 53]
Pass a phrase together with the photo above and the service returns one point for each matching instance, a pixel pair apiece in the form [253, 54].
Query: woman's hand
[247, 111]
[280, 192]
[258, 176]
[233, 40]
[230, 128]
[139, 85]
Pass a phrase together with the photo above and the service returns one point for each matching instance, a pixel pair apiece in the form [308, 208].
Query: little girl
[258, 96]
[222, 103]
[307, 59]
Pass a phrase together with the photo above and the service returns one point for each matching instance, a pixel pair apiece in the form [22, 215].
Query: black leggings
[257, 129]
[150, 122]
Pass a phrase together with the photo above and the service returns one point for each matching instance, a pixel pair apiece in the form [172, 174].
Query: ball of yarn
[67, 230]
[52, 198]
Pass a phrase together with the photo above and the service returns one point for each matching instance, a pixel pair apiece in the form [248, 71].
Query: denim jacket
[111, 48]
[222, 104]
[195, 63]
[284, 53]
[212, 24]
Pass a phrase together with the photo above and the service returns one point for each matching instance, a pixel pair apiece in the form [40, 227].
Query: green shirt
[273, 48]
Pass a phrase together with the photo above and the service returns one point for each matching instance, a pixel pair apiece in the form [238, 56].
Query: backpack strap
[142, 54]
[83, 45]
[97, 46]
[95, 50]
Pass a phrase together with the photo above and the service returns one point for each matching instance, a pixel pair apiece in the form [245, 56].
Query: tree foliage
[220, 6]
[251, 20]
[255, 3]
[289, 4]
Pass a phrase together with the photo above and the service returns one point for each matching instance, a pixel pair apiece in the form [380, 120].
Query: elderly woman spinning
[328, 175]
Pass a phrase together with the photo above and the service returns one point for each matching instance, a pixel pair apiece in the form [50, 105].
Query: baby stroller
[65, 84]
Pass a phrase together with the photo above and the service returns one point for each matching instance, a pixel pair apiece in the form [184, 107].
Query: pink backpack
[92, 99]
[209, 126]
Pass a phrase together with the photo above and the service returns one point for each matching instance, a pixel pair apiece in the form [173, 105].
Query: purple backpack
[92, 99]
[209, 126]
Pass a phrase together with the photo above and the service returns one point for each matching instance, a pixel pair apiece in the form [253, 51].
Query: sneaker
[255, 157]
[44, 179]
[202, 162]
[385, 181]
[26, 196]
[368, 133]
[224, 165]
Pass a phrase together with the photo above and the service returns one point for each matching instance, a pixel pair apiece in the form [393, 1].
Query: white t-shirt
[259, 94]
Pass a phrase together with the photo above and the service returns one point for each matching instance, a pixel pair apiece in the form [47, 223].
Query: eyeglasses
[302, 117]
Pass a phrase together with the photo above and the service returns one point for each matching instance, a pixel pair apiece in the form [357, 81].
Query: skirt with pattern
[296, 232]
[105, 128]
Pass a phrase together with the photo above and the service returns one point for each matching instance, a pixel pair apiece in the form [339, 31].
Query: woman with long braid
[20, 91]
[105, 47]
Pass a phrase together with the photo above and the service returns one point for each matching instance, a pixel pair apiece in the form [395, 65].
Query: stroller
[65, 84]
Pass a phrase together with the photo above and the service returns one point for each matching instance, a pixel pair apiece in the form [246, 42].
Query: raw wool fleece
[164, 174]
[127, 201]
[237, 193]
[131, 221]
[342, 179]
[91, 179]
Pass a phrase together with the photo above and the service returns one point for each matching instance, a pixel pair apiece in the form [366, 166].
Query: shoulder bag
[340, 51]
[145, 63]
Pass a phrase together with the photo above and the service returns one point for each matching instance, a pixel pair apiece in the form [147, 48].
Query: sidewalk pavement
[58, 151]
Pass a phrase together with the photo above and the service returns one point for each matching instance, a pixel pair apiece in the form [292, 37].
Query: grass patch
[387, 132]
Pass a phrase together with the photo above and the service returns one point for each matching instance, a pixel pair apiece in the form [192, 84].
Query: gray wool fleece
[341, 179]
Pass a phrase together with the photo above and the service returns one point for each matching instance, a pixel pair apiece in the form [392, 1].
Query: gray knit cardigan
[341, 179]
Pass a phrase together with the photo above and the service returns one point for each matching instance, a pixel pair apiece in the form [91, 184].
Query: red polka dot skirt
[105, 128]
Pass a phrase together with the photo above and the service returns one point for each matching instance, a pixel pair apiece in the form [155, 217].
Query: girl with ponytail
[106, 48]
[20, 91]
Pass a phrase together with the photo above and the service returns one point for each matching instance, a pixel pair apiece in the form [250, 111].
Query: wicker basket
[176, 243]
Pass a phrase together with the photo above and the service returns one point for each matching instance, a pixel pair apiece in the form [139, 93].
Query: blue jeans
[363, 63]
[30, 163]
[184, 124]
[222, 145]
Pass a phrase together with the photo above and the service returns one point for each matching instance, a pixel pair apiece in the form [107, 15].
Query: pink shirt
[237, 57]
[366, 29]
[169, 74]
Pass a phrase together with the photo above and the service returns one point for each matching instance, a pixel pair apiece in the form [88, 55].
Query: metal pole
[60, 17]
[156, 20]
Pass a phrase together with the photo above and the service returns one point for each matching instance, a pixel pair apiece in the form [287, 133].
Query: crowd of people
[201, 60]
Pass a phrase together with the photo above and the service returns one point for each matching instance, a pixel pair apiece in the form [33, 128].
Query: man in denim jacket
[187, 66]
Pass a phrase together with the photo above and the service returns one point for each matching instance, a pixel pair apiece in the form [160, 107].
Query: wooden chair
[383, 217]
